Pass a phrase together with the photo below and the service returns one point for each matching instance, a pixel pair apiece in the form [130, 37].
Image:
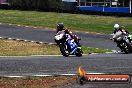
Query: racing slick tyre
[126, 51]
[126, 48]
[63, 50]
[79, 52]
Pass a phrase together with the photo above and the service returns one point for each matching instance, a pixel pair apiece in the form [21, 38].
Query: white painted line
[42, 75]
[14, 76]
[18, 39]
[56, 55]
[98, 33]
[114, 51]
[10, 24]
[85, 54]
[34, 27]
[46, 55]
[109, 52]
[10, 38]
[0, 23]
[34, 56]
[15, 56]
[95, 73]
[87, 32]
[53, 75]
[26, 26]
[25, 40]
[18, 25]
[41, 42]
[32, 41]
[67, 74]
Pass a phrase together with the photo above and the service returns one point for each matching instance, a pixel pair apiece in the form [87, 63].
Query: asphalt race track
[31, 65]
[28, 33]
[42, 65]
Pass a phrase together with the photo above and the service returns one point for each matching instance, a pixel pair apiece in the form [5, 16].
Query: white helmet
[116, 26]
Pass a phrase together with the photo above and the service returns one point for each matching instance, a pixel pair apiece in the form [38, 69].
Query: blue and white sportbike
[67, 44]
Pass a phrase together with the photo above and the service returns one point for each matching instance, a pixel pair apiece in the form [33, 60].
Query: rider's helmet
[116, 26]
[60, 27]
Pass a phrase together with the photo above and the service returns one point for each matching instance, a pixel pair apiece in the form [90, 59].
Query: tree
[35, 4]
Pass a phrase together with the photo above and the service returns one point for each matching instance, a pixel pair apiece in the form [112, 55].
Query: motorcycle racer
[117, 28]
[60, 27]
[120, 31]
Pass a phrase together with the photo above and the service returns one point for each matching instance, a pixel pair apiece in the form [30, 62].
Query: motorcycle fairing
[72, 45]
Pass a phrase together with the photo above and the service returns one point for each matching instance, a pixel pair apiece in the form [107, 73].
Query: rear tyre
[63, 50]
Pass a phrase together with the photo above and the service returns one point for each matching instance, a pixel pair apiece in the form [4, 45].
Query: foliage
[35, 4]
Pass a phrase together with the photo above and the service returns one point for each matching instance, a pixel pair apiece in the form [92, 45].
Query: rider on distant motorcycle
[117, 28]
[122, 29]
[60, 27]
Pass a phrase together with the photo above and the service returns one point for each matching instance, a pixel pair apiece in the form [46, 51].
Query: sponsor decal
[84, 77]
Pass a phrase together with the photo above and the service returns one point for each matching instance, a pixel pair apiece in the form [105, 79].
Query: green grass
[20, 48]
[89, 23]
[88, 50]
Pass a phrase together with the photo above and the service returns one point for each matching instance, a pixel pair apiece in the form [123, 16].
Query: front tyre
[126, 51]
[126, 48]
[79, 52]
[63, 50]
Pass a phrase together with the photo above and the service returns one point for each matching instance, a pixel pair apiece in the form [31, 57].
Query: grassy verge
[90, 23]
[20, 48]
[88, 50]
[36, 82]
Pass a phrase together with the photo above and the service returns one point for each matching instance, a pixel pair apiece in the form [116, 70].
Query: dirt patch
[36, 82]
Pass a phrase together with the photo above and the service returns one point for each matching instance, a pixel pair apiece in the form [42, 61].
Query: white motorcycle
[123, 41]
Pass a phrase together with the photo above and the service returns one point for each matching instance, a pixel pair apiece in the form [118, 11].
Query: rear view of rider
[60, 27]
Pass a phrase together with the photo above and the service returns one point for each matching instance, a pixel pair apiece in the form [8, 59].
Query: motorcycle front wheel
[79, 52]
[125, 48]
[63, 50]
